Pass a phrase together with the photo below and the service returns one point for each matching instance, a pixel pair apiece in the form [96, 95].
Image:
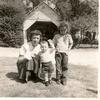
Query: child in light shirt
[47, 60]
[28, 61]
[63, 43]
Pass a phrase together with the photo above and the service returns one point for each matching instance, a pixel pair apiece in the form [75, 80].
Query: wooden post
[25, 36]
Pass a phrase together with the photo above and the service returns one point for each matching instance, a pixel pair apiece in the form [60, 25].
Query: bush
[3, 44]
[11, 21]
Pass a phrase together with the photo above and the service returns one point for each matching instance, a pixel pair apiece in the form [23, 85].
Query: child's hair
[44, 42]
[64, 24]
[35, 32]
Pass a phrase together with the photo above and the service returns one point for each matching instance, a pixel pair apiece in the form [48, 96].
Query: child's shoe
[58, 82]
[23, 81]
[50, 81]
[47, 83]
[64, 81]
[26, 80]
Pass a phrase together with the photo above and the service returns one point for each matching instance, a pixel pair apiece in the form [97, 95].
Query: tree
[83, 14]
[11, 22]
[64, 7]
[86, 15]
[35, 2]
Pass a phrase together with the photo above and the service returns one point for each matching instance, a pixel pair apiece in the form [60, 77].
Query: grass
[82, 82]
[84, 74]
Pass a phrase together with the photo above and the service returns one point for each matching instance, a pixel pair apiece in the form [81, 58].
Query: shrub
[11, 22]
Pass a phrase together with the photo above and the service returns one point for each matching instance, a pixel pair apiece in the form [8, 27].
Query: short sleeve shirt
[62, 42]
[28, 51]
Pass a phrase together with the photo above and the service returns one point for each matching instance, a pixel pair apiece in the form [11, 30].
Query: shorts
[47, 67]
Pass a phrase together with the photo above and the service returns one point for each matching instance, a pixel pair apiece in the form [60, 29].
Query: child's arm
[51, 45]
[70, 42]
[22, 51]
[35, 51]
[55, 40]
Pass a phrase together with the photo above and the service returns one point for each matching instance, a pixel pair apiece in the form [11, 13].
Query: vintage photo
[49, 48]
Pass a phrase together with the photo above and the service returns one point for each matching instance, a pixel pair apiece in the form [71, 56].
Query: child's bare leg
[54, 71]
[50, 77]
[27, 75]
[46, 79]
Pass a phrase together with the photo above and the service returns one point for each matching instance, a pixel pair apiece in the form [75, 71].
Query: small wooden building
[43, 18]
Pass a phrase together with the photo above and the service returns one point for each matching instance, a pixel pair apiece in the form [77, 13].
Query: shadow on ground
[14, 76]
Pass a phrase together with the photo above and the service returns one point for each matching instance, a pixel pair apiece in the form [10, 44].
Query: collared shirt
[28, 51]
[47, 56]
[63, 43]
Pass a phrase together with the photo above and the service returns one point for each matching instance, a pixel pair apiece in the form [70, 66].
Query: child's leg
[29, 69]
[45, 71]
[46, 77]
[21, 65]
[58, 67]
[54, 71]
[64, 77]
[27, 75]
[49, 76]
[64, 68]
[50, 71]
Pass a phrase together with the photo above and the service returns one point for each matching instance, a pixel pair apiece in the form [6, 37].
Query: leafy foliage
[82, 15]
[11, 20]
[35, 2]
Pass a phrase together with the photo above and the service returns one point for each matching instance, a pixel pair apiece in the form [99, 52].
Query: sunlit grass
[79, 80]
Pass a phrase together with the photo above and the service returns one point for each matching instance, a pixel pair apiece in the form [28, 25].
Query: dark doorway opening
[48, 29]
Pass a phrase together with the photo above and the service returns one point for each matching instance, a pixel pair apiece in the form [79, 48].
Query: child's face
[63, 30]
[35, 39]
[44, 47]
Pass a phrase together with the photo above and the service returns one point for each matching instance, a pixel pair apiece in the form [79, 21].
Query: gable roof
[41, 13]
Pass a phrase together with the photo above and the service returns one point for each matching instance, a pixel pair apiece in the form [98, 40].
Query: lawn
[81, 82]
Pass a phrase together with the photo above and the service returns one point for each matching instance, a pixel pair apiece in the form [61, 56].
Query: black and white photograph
[49, 49]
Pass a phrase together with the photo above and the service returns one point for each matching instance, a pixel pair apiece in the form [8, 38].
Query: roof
[42, 12]
[39, 8]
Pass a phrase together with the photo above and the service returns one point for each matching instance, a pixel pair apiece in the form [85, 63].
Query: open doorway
[48, 29]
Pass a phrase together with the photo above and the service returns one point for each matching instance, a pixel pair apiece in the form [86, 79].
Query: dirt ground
[82, 77]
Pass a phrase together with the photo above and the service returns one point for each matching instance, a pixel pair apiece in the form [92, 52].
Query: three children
[54, 55]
